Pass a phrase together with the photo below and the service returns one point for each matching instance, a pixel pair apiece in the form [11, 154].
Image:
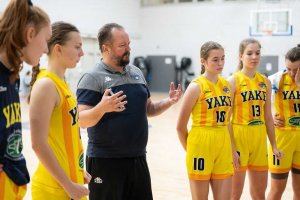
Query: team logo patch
[255, 122]
[81, 161]
[294, 121]
[3, 89]
[226, 89]
[107, 79]
[135, 77]
[243, 84]
[262, 85]
[98, 180]
[14, 146]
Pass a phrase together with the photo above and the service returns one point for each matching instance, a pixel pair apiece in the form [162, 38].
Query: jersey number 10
[199, 164]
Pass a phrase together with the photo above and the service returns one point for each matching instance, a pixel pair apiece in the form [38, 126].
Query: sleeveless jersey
[249, 99]
[287, 103]
[213, 104]
[11, 145]
[63, 136]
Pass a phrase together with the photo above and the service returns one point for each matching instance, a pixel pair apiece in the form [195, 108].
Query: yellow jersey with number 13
[249, 99]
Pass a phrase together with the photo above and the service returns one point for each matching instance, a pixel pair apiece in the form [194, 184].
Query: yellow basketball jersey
[249, 99]
[63, 137]
[213, 104]
[287, 103]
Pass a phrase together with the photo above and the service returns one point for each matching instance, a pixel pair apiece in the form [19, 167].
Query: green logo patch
[14, 146]
[294, 121]
[81, 160]
[255, 122]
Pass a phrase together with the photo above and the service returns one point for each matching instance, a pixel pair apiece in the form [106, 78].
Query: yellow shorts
[289, 143]
[41, 191]
[9, 190]
[251, 144]
[209, 153]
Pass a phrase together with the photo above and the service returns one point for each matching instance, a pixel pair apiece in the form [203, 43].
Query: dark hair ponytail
[202, 69]
[35, 72]
[293, 54]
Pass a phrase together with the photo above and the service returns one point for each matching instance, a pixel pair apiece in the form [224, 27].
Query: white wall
[175, 29]
[90, 15]
[181, 29]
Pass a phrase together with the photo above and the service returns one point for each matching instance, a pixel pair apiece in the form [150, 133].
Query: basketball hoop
[270, 22]
[267, 32]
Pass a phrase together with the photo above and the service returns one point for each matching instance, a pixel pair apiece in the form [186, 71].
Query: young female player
[286, 90]
[251, 120]
[208, 143]
[24, 31]
[54, 123]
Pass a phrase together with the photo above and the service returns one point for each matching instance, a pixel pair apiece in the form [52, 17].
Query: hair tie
[29, 3]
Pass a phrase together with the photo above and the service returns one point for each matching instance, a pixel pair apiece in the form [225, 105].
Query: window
[155, 2]
[184, 1]
[240, 0]
[162, 2]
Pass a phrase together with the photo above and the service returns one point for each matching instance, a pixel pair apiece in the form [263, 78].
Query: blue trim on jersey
[88, 97]
[120, 134]
[117, 134]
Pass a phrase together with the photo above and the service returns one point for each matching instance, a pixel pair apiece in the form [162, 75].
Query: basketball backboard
[271, 22]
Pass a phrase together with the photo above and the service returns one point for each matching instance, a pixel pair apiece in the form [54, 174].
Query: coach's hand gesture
[113, 102]
[174, 95]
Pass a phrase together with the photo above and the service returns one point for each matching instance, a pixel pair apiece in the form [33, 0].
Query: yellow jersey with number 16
[214, 103]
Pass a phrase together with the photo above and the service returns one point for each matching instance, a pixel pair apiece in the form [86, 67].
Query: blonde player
[251, 120]
[286, 90]
[208, 144]
[24, 31]
[54, 121]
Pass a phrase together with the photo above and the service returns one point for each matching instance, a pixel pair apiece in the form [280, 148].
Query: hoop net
[267, 32]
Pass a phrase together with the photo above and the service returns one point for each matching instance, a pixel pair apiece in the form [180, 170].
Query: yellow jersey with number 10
[213, 104]
[249, 99]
